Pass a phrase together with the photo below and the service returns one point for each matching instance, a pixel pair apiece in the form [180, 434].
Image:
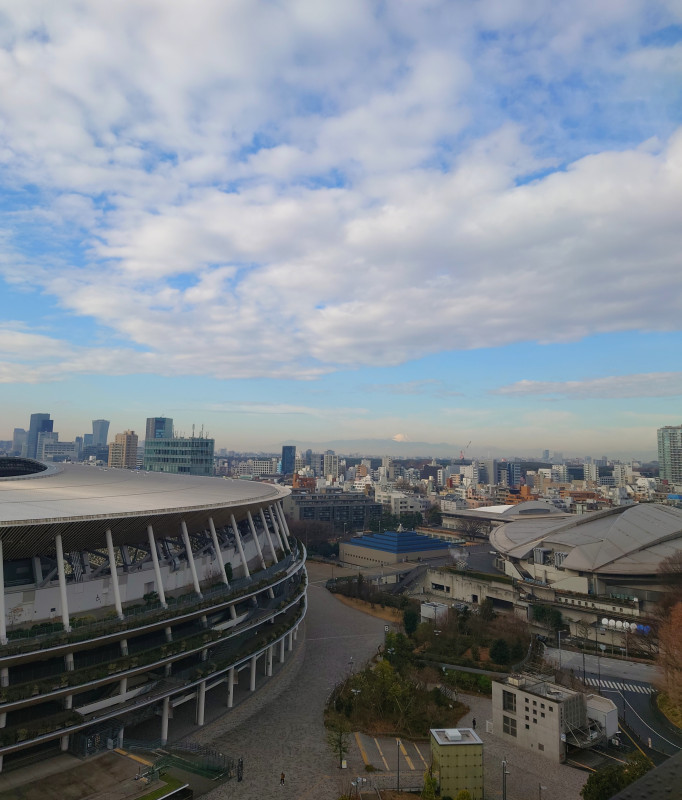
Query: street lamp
[504, 778]
[398, 743]
[558, 633]
[540, 788]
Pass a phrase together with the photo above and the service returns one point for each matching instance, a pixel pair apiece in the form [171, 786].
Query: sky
[294, 221]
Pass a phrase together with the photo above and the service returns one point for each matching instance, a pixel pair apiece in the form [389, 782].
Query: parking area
[389, 754]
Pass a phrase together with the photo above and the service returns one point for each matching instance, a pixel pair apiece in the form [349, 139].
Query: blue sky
[305, 222]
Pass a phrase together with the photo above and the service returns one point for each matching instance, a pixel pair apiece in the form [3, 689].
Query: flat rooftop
[455, 736]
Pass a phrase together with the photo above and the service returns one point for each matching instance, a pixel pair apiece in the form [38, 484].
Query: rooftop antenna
[192, 430]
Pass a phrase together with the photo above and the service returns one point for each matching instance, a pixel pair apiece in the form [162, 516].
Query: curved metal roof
[630, 540]
[82, 502]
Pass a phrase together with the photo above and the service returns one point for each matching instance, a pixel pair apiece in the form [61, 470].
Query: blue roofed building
[391, 547]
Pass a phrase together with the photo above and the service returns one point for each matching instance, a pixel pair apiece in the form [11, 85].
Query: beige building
[123, 451]
[542, 716]
[457, 756]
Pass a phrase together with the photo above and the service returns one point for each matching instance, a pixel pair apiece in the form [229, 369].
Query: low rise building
[391, 547]
[457, 757]
[539, 715]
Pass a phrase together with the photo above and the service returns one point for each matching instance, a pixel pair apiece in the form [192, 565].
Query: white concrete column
[267, 535]
[4, 676]
[283, 521]
[275, 527]
[270, 651]
[190, 557]
[114, 574]
[233, 612]
[121, 730]
[230, 688]
[62, 583]
[68, 701]
[124, 647]
[64, 743]
[123, 686]
[296, 633]
[239, 545]
[68, 662]
[157, 569]
[3, 719]
[255, 538]
[3, 619]
[252, 686]
[218, 554]
[164, 720]
[290, 637]
[201, 703]
[281, 650]
[169, 633]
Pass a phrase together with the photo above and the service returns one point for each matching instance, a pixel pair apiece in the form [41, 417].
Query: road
[630, 685]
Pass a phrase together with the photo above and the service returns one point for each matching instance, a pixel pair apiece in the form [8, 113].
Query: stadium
[127, 593]
[613, 555]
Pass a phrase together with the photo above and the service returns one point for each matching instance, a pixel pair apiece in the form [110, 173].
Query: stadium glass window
[509, 726]
[508, 701]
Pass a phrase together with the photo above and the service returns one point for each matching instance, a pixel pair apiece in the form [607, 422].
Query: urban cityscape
[340, 393]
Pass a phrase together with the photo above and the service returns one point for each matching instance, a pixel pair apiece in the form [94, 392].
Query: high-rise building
[180, 456]
[123, 450]
[330, 465]
[40, 423]
[19, 441]
[159, 428]
[100, 432]
[670, 453]
[44, 438]
[288, 459]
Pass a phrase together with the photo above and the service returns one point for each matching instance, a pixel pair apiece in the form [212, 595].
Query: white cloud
[281, 190]
[655, 384]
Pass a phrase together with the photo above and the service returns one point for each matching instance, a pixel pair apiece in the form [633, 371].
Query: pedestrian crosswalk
[618, 686]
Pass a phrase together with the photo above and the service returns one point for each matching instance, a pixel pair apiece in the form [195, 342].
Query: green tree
[604, 783]
[548, 616]
[499, 651]
[486, 610]
[430, 786]
[338, 737]
[463, 795]
[410, 620]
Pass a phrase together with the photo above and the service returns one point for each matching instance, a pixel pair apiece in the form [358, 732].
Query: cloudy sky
[302, 221]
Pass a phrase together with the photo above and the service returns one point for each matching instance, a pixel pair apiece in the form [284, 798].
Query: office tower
[100, 432]
[123, 450]
[40, 423]
[180, 456]
[513, 473]
[288, 459]
[670, 453]
[330, 465]
[44, 438]
[492, 471]
[591, 473]
[88, 440]
[545, 455]
[19, 441]
[159, 428]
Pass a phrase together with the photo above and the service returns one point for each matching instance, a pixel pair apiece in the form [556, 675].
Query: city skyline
[423, 222]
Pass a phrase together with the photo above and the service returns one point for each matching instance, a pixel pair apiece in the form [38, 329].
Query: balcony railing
[26, 640]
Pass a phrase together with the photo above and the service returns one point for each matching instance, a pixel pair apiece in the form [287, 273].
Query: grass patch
[169, 785]
[672, 712]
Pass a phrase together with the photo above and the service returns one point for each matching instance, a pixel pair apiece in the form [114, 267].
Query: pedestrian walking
[281, 779]
[473, 723]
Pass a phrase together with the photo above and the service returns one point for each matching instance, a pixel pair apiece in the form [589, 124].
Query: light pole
[398, 786]
[558, 633]
[504, 778]
[540, 788]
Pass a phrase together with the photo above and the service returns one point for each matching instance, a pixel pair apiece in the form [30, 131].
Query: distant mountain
[390, 447]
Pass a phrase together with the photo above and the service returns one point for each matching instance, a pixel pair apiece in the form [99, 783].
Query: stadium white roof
[629, 540]
[81, 502]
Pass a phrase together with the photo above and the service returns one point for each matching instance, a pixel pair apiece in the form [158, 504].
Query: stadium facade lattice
[125, 593]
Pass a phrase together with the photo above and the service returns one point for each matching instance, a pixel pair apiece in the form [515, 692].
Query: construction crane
[462, 453]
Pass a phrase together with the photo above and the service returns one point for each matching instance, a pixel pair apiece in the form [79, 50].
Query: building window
[535, 720]
[527, 727]
[542, 715]
[527, 718]
[542, 705]
[551, 708]
[508, 701]
[509, 726]
[541, 746]
[535, 702]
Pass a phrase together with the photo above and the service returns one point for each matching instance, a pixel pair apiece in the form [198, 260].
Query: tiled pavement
[280, 728]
